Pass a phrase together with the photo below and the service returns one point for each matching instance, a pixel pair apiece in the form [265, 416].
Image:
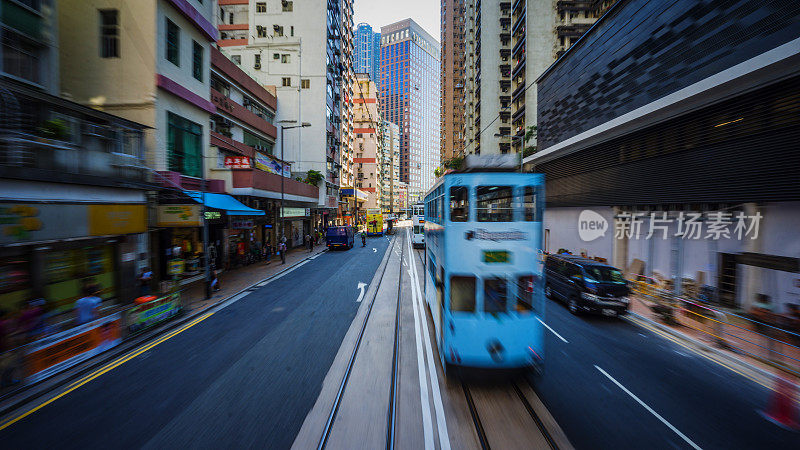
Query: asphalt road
[710, 405]
[244, 377]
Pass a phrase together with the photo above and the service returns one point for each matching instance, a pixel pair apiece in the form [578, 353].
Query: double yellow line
[108, 367]
[760, 380]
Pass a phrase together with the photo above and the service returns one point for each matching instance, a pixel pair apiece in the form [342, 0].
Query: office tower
[367, 51]
[410, 98]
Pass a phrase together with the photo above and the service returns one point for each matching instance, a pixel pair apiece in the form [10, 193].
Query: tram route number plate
[496, 256]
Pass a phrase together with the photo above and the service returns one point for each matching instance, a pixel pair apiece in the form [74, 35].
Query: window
[603, 274]
[459, 204]
[494, 204]
[109, 33]
[276, 56]
[531, 207]
[261, 31]
[20, 57]
[173, 43]
[525, 289]
[261, 7]
[184, 145]
[277, 30]
[285, 58]
[494, 295]
[230, 18]
[291, 30]
[462, 293]
[257, 62]
[237, 59]
[197, 60]
[288, 6]
[286, 81]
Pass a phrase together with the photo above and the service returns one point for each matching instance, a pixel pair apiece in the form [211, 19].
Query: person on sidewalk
[88, 306]
[144, 282]
[215, 281]
[310, 243]
[283, 252]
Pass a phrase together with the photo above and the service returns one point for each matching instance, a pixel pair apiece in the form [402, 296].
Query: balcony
[227, 106]
[47, 138]
[572, 31]
[264, 184]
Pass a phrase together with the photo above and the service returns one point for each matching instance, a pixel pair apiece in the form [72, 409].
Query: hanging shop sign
[213, 215]
[241, 224]
[58, 352]
[272, 165]
[179, 216]
[175, 266]
[295, 212]
[117, 219]
[238, 162]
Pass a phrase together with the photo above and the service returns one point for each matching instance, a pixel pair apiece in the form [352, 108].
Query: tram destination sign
[496, 256]
[485, 235]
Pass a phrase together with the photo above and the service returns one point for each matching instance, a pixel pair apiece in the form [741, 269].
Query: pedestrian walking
[283, 252]
[310, 243]
[144, 282]
[88, 305]
[215, 281]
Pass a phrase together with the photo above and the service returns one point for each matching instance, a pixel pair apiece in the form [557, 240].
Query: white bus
[418, 222]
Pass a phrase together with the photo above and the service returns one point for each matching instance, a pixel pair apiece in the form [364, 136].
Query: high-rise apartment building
[390, 167]
[508, 45]
[304, 49]
[368, 144]
[453, 63]
[410, 98]
[367, 51]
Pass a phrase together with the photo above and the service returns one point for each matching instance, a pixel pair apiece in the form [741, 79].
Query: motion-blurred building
[685, 130]
[410, 98]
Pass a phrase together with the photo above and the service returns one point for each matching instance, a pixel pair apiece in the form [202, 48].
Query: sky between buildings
[383, 12]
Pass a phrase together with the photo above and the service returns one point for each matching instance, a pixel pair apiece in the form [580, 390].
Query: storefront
[298, 224]
[55, 251]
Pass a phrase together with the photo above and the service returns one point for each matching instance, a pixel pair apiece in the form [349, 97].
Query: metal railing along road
[739, 332]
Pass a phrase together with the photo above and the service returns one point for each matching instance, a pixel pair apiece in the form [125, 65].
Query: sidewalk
[193, 304]
[235, 280]
[736, 341]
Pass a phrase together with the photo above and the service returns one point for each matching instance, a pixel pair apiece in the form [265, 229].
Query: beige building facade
[368, 145]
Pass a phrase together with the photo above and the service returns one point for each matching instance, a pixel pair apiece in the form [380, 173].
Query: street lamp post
[302, 125]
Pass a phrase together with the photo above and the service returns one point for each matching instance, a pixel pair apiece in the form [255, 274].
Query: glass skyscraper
[410, 98]
[366, 54]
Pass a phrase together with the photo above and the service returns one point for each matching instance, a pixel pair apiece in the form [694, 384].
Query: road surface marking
[374, 250]
[361, 288]
[696, 351]
[552, 330]
[108, 368]
[427, 427]
[441, 422]
[649, 409]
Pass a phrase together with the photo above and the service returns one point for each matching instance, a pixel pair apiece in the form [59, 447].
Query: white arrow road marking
[374, 250]
[361, 295]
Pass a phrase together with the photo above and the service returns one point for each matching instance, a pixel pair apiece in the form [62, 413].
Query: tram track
[391, 416]
[511, 388]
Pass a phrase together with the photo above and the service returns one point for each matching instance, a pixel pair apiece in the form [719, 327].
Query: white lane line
[649, 409]
[441, 422]
[427, 426]
[552, 330]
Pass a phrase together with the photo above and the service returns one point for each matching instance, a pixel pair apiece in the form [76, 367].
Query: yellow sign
[117, 219]
[179, 216]
[175, 266]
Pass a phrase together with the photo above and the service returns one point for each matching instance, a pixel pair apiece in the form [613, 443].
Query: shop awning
[224, 202]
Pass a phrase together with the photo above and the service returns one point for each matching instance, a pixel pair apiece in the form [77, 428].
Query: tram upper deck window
[462, 293]
[495, 203]
[494, 295]
[459, 204]
[531, 206]
[525, 288]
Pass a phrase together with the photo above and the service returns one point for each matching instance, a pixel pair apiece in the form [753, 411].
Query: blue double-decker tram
[484, 271]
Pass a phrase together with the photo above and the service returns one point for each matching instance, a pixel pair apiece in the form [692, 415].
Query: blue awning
[230, 205]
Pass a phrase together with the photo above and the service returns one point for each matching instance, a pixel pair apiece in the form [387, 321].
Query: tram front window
[459, 204]
[495, 204]
[462, 293]
[494, 295]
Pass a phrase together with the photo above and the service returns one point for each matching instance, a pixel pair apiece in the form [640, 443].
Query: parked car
[340, 237]
[586, 285]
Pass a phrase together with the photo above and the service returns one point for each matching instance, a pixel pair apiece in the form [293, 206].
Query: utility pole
[283, 200]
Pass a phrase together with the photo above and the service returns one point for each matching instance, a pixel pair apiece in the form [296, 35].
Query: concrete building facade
[410, 97]
[304, 49]
[390, 167]
[368, 144]
[453, 70]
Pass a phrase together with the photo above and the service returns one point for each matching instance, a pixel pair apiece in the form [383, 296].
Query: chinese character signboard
[237, 162]
[179, 216]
